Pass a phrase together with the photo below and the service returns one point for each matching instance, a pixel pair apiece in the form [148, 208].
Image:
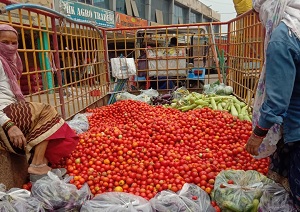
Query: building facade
[159, 11]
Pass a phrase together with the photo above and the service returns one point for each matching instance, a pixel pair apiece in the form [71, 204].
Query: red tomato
[142, 149]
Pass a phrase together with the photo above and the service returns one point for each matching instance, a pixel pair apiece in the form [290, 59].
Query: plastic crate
[139, 78]
[95, 92]
[196, 74]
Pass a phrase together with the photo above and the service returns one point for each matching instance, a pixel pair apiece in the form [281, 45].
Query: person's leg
[39, 164]
[294, 173]
[279, 164]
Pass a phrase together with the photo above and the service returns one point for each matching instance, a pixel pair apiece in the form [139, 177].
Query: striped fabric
[37, 121]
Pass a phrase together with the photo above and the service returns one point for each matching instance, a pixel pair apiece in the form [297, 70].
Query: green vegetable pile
[216, 102]
[239, 191]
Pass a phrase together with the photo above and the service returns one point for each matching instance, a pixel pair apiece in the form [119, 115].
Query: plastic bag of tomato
[189, 198]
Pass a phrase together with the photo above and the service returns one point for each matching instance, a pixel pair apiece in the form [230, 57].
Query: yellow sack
[242, 6]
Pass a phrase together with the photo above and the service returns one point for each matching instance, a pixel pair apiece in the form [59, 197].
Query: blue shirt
[282, 102]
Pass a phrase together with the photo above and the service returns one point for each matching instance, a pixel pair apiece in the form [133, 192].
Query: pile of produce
[166, 99]
[162, 99]
[136, 148]
[223, 103]
[218, 98]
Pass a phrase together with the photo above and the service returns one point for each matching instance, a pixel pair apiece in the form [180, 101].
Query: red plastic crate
[95, 93]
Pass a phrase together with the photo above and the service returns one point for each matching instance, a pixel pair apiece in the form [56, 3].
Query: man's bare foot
[38, 169]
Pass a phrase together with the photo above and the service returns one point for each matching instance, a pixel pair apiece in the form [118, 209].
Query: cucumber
[220, 106]
[213, 104]
[173, 105]
[244, 110]
[238, 107]
[231, 206]
[201, 102]
[233, 110]
[243, 104]
[228, 105]
[247, 118]
[241, 117]
[249, 207]
[257, 194]
[189, 107]
[255, 205]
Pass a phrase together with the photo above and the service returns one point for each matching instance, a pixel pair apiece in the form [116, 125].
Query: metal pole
[58, 73]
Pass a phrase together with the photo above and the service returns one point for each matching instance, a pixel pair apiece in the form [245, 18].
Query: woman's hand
[253, 144]
[17, 137]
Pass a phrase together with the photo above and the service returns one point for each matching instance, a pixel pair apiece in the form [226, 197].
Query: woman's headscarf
[271, 13]
[12, 63]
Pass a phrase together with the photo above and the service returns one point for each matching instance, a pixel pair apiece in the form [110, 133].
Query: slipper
[35, 177]
[60, 172]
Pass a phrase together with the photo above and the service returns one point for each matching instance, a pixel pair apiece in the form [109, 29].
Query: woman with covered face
[276, 112]
[28, 128]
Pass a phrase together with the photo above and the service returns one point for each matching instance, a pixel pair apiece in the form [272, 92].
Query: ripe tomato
[137, 148]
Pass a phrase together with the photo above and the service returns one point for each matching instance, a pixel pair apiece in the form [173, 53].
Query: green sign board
[84, 12]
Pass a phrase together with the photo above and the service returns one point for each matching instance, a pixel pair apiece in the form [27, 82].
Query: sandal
[35, 177]
[60, 172]
[38, 166]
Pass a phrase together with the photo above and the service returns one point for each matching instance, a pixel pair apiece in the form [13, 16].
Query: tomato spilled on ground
[137, 148]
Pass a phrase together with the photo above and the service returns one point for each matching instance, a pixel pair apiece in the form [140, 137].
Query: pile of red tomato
[137, 148]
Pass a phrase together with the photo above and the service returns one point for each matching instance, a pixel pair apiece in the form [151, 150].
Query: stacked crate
[35, 80]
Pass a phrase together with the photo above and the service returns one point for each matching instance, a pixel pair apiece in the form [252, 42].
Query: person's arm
[15, 135]
[280, 78]
[3, 118]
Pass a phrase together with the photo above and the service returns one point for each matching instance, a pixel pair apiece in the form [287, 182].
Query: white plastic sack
[125, 96]
[7, 199]
[79, 123]
[2, 187]
[173, 59]
[31, 205]
[150, 92]
[15, 194]
[123, 68]
[189, 198]
[57, 194]
[5, 206]
[180, 93]
[275, 198]
[145, 96]
[117, 202]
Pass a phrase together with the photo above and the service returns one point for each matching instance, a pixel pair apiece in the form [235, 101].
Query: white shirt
[7, 97]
